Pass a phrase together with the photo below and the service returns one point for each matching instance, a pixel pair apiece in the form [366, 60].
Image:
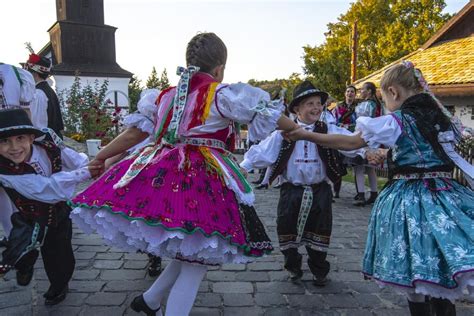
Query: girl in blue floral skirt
[421, 232]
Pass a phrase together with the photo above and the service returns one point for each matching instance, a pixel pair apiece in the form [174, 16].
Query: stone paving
[107, 279]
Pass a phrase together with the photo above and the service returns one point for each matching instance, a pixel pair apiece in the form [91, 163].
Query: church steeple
[80, 40]
[81, 11]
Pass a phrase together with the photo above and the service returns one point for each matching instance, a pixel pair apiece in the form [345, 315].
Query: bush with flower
[87, 114]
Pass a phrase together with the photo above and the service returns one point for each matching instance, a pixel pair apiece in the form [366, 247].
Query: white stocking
[154, 295]
[184, 291]
[372, 179]
[360, 178]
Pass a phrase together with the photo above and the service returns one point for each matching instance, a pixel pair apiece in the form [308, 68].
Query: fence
[467, 154]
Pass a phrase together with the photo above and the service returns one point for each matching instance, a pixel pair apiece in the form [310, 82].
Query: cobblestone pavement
[106, 279]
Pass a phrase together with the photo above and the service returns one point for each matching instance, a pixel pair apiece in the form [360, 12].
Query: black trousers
[317, 231]
[58, 256]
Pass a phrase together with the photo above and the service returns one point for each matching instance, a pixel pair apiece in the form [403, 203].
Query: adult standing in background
[371, 107]
[45, 110]
[345, 116]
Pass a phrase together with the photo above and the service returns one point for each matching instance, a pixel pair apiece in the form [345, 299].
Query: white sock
[154, 295]
[184, 291]
[360, 178]
[372, 179]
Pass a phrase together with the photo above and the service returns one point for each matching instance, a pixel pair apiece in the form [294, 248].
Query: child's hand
[96, 167]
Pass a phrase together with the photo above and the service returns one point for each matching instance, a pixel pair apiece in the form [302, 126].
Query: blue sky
[264, 37]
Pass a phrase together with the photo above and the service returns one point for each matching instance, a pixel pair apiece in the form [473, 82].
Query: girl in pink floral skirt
[184, 197]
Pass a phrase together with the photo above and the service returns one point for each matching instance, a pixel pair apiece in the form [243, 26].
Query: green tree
[387, 31]
[164, 81]
[134, 90]
[153, 82]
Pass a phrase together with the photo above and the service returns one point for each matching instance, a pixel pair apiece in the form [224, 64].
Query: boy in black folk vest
[304, 208]
[46, 110]
[38, 174]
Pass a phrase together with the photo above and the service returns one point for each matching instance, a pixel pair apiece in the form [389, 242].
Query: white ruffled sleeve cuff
[144, 118]
[383, 130]
[249, 105]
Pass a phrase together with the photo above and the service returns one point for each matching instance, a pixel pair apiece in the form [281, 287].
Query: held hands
[96, 167]
[296, 134]
[377, 156]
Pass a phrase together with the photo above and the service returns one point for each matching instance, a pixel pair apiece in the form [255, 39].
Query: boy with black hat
[304, 208]
[17, 89]
[46, 111]
[34, 189]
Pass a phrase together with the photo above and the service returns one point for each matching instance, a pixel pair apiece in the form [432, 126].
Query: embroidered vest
[330, 157]
[43, 213]
[55, 118]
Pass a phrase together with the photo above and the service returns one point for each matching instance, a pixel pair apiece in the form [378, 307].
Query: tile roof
[448, 63]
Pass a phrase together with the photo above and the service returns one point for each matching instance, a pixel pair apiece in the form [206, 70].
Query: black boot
[420, 309]
[372, 198]
[360, 201]
[443, 307]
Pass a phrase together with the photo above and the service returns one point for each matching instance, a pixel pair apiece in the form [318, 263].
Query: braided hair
[206, 50]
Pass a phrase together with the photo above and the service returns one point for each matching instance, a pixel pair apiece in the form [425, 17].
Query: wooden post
[354, 53]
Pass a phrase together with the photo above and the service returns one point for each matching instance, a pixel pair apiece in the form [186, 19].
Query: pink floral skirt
[186, 213]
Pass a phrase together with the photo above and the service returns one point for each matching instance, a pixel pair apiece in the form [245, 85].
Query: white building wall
[119, 85]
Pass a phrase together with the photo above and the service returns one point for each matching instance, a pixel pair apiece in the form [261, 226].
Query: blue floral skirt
[421, 238]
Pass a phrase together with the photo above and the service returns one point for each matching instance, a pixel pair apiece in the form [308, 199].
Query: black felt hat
[39, 64]
[304, 90]
[16, 122]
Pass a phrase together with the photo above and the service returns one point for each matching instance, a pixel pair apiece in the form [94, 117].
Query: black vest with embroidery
[55, 118]
[43, 213]
[330, 157]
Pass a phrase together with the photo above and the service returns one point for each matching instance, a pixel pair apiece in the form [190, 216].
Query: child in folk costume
[143, 119]
[304, 208]
[17, 90]
[184, 197]
[421, 233]
[38, 174]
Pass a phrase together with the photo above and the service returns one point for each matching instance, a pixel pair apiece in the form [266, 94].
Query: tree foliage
[153, 82]
[134, 90]
[387, 31]
[273, 87]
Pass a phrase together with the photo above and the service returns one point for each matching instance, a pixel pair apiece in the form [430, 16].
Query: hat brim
[15, 131]
[324, 97]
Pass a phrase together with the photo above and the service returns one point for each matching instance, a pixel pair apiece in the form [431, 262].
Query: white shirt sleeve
[334, 129]
[145, 116]
[245, 104]
[382, 130]
[39, 109]
[58, 187]
[263, 154]
[73, 160]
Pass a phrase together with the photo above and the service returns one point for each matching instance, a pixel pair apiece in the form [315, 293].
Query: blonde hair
[403, 76]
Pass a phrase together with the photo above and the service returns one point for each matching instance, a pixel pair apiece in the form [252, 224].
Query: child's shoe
[23, 277]
[360, 201]
[139, 305]
[372, 198]
[320, 281]
[52, 298]
[295, 275]
[154, 269]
